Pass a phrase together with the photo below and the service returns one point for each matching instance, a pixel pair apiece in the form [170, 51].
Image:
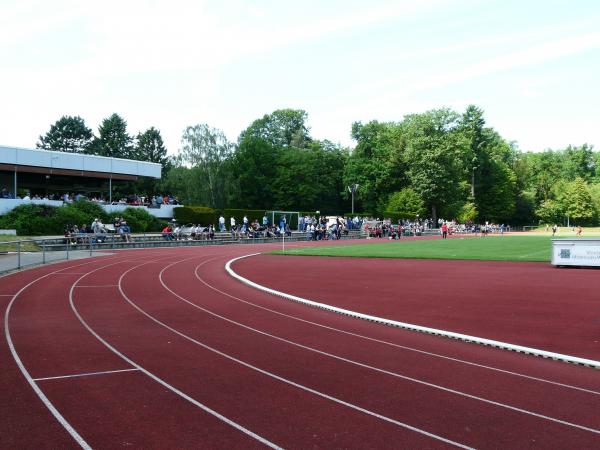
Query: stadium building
[45, 173]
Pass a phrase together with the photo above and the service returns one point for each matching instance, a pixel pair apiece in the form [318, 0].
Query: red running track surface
[162, 349]
[530, 304]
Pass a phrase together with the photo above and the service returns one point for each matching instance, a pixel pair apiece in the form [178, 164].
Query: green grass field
[491, 248]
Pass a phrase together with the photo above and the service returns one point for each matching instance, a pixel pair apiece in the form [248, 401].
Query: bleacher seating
[109, 241]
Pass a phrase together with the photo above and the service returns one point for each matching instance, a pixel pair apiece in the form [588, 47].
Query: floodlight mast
[352, 189]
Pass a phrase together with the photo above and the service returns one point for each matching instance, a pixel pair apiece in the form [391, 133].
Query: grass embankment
[491, 248]
[27, 246]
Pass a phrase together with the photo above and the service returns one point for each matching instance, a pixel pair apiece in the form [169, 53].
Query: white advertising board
[576, 252]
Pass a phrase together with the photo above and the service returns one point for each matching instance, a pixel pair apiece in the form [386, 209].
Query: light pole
[352, 189]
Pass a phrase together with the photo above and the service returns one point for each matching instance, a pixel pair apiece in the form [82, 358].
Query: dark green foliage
[30, 220]
[40, 220]
[281, 128]
[202, 215]
[252, 214]
[68, 134]
[255, 168]
[376, 164]
[113, 139]
[139, 220]
[405, 204]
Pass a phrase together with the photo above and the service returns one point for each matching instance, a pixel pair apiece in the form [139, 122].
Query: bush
[31, 220]
[252, 214]
[202, 215]
[407, 203]
[139, 220]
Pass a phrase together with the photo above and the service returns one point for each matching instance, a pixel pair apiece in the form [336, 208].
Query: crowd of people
[154, 201]
[97, 231]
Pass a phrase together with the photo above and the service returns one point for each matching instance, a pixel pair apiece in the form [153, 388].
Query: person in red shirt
[444, 231]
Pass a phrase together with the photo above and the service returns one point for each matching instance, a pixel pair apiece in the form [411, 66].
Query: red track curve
[189, 357]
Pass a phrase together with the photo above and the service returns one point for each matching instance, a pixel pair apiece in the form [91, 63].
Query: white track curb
[409, 326]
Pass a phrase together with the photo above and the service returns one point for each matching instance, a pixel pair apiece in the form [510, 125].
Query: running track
[163, 349]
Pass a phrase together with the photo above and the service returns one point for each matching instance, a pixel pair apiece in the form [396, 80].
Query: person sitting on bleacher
[125, 231]
[167, 233]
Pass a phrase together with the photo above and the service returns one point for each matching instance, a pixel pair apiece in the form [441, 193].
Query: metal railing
[18, 254]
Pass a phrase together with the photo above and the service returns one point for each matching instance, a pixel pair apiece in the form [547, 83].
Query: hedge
[198, 215]
[238, 214]
[39, 220]
[394, 216]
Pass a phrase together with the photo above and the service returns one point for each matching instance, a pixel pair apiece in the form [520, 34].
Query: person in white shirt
[221, 223]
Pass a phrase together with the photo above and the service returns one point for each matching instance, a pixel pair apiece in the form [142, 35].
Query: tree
[254, 168]
[434, 151]
[113, 139]
[281, 128]
[207, 150]
[406, 203]
[376, 164]
[577, 203]
[150, 147]
[309, 179]
[68, 134]
[578, 162]
[472, 127]
[550, 212]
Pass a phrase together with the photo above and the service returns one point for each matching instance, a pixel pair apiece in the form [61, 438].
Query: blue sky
[532, 66]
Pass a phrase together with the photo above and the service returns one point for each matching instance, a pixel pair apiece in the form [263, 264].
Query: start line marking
[410, 326]
[88, 374]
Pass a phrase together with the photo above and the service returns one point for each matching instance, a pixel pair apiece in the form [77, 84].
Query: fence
[18, 254]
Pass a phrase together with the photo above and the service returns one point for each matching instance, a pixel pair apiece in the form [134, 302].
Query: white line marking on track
[377, 369]
[97, 286]
[275, 376]
[88, 374]
[410, 326]
[156, 378]
[57, 415]
[391, 344]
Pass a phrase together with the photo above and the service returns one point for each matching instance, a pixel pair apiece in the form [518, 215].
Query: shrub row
[204, 215]
[38, 220]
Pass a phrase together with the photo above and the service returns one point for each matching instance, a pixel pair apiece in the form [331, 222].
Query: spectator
[4, 193]
[221, 223]
[167, 233]
[125, 231]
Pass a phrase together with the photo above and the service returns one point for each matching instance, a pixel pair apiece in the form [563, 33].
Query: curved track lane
[161, 348]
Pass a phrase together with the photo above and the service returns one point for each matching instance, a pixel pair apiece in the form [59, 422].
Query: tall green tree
[473, 128]
[207, 150]
[577, 203]
[376, 164]
[113, 139]
[254, 167]
[578, 162]
[309, 179]
[434, 155]
[150, 147]
[281, 128]
[67, 134]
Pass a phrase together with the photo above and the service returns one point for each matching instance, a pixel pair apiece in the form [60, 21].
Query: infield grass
[491, 248]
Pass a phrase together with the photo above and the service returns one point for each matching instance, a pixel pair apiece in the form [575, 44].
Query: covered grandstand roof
[61, 163]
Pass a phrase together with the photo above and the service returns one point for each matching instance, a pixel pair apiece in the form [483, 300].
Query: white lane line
[57, 415]
[156, 378]
[391, 344]
[97, 286]
[69, 273]
[88, 374]
[383, 371]
[275, 376]
[410, 326]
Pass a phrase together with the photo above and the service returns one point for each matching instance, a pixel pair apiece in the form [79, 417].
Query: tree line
[440, 163]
